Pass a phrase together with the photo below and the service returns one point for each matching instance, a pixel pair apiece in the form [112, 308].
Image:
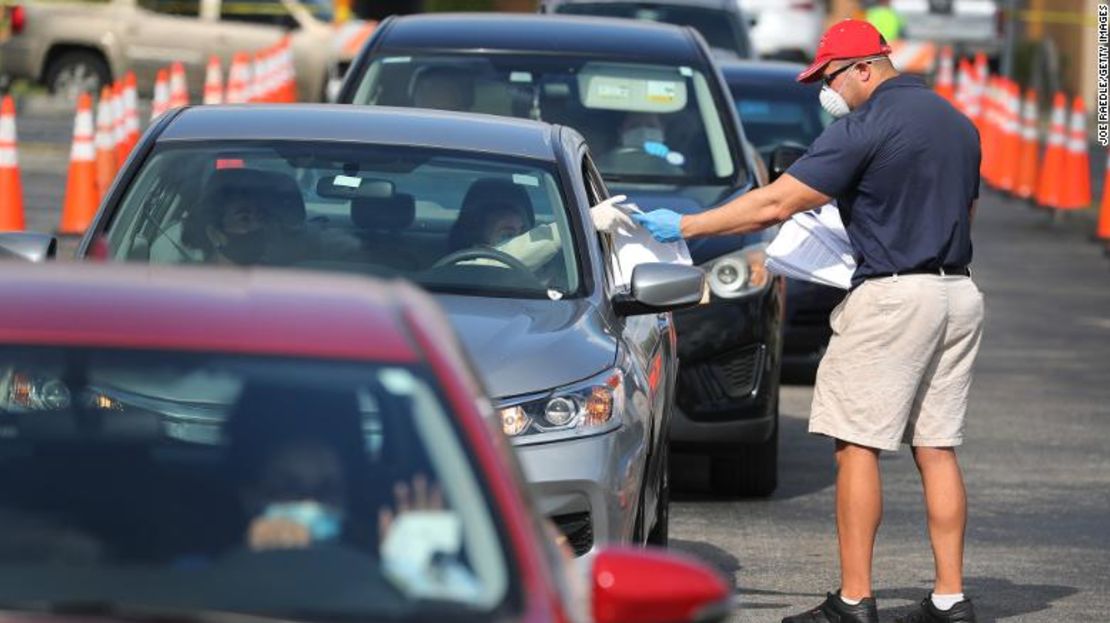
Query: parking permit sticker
[520, 76]
[662, 92]
[525, 180]
[397, 59]
[613, 91]
[347, 181]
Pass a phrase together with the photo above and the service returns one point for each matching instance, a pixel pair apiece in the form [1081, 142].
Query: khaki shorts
[898, 366]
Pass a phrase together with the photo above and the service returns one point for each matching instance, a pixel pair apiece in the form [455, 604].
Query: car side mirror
[784, 156]
[28, 246]
[653, 586]
[658, 287]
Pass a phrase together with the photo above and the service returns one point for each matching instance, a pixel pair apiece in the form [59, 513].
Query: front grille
[579, 530]
[733, 375]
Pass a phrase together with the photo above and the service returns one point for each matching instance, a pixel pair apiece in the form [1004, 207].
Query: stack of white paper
[813, 246]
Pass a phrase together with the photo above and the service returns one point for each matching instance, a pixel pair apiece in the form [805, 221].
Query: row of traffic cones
[267, 75]
[102, 144]
[1056, 177]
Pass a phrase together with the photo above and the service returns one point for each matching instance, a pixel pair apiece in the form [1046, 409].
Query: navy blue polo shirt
[904, 169]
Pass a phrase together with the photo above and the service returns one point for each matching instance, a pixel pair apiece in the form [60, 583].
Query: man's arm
[755, 210]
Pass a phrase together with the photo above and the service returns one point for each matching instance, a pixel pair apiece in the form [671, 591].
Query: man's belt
[964, 271]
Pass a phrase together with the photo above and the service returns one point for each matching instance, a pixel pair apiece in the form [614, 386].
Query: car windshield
[772, 115]
[717, 26]
[644, 123]
[298, 489]
[464, 224]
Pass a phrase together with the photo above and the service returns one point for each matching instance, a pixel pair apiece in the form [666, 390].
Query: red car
[197, 445]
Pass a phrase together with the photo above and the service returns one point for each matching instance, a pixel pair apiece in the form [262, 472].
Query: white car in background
[785, 29]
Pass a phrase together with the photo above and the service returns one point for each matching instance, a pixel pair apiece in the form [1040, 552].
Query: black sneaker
[961, 612]
[835, 610]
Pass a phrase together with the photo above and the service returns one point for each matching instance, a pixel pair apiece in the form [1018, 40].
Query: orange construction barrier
[81, 196]
[213, 82]
[119, 123]
[945, 86]
[238, 80]
[1077, 161]
[179, 87]
[11, 188]
[1025, 183]
[1050, 185]
[105, 142]
[161, 102]
[989, 131]
[1009, 152]
[130, 113]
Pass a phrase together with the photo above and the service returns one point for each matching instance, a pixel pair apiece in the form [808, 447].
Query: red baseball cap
[851, 38]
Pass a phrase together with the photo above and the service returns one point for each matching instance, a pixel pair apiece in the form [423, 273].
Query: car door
[160, 32]
[251, 25]
[646, 337]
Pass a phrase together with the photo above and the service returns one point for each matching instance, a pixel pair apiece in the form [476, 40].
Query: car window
[184, 8]
[265, 12]
[465, 224]
[257, 485]
[772, 116]
[717, 26]
[644, 123]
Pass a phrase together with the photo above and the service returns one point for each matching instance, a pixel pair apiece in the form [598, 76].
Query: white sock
[945, 602]
[850, 602]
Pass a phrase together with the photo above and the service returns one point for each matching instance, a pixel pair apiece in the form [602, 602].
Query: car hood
[529, 346]
[703, 249]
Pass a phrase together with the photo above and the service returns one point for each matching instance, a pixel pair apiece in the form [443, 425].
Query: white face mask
[833, 102]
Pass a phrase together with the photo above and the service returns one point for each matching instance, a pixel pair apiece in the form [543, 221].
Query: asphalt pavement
[1036, 456]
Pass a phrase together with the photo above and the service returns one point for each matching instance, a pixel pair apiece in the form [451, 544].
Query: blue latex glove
[663, 225]
[657, 149]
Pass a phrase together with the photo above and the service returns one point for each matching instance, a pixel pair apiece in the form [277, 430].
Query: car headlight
[587, 408]
[28, 392]
[740, 273]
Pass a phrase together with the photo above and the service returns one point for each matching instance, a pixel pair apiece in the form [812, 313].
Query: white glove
[608, 216]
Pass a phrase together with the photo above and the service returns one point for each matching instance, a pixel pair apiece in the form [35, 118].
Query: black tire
[752, 470]
[74, 71]
[661, 528]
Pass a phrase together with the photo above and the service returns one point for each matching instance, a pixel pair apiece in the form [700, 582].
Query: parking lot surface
[1035, 460]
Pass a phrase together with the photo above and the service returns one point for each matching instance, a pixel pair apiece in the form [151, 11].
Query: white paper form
[813, 246]
[636, 246]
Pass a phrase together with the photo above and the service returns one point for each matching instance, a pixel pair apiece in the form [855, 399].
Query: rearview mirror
[651, 586]
[353, 187]
[28, 246]
[784, 156]
[661, 287]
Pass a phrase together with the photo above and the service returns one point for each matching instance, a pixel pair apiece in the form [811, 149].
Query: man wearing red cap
[903, 166]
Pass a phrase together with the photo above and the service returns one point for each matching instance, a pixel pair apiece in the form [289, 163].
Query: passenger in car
[443, 88]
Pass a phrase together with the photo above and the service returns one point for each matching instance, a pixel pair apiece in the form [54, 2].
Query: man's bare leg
[859, 509]
[946, 506]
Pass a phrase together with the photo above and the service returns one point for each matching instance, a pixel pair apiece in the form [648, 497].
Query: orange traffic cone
[989, 131]
[238, 79]
[130, 114]
[11, 188]
[161, 102]
[256, 88]
[119, 123]
[1026, 177]
[980, 79]
[1010, 150]
[1050, 185]
[1077, 162]
[944, 84]
[179, 87]
[105, 143]
[80, 201]
[213, 82]
[1102, 232]
[963, 84]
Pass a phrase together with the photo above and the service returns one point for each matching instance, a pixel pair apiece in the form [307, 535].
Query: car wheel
[752, 471]
[76, 72]
[661, 528]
